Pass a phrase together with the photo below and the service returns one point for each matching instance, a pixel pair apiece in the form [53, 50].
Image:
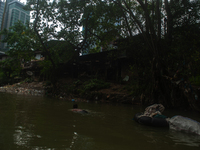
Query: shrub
[95, 84]
[195, 80]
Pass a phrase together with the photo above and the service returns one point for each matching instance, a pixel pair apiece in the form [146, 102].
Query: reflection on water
[39, 123]
[184, 138]
[74, 138]
[22, 136]
[81, 142]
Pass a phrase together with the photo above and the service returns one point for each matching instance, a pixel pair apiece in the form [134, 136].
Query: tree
[43, 12]
[94, 17]
[21, 42]
[45, 24]
[69, 17]
[157, 21]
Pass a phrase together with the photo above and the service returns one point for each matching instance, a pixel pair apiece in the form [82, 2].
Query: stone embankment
[24, 89]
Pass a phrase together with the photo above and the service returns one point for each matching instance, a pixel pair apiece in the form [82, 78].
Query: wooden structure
[110, 65]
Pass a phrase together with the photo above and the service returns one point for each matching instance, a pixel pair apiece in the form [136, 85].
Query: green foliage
[55, 20]
[195, 80]
[96, 49]
[184, 54]
[7, 76]
[61, 51]
[95, 84]
[28, 80]
[20, 40]
[21, 43]
[10, 67]
[168, 40]
[46, 69]
[1, 74]
[85, 89]
[96, 17]
[77, 83]
[99, 22]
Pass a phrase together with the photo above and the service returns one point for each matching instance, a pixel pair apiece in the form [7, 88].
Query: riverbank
[98, 91]
[73, 89]
[34, 88]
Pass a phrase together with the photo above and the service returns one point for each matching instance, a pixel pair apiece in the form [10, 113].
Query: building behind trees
[10, 12]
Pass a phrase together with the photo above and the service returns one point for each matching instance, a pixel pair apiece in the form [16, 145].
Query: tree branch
[40, 39]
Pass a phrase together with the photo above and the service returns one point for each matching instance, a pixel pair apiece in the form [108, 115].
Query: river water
[40, 123]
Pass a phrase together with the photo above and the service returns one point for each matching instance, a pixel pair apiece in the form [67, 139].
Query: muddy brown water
[40, 123]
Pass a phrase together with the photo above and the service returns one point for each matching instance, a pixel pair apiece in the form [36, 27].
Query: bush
[1, 75]
[95, 84]
[195, 80]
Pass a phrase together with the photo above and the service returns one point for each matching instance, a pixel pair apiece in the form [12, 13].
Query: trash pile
[25, 89]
